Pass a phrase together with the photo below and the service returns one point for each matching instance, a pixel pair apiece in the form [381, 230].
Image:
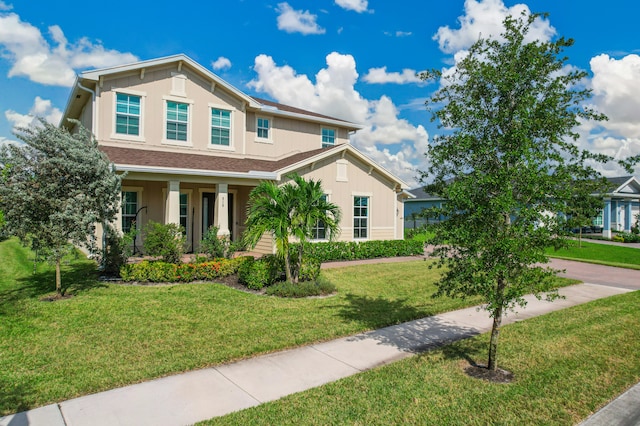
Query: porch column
[606, 229]
[173, 202]
[627, 216]
[222, 210]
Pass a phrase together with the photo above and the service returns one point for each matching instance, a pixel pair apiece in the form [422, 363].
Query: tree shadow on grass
[75, 277]
[408, 334]
[14, 396]
[379, 311]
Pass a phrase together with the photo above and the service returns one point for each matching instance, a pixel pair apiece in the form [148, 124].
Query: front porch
[195, 206]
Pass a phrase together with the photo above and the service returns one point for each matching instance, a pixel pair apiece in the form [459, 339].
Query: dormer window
[328, 137]
[263, 128]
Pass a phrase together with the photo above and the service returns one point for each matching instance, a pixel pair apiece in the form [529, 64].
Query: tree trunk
[58, 280]
[580, 238]
[495, 330]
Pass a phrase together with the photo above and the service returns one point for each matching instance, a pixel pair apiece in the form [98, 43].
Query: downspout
[94, 128]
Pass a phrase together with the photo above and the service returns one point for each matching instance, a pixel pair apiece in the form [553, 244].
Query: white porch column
[222, 210]
[606, 226]
[172, 208]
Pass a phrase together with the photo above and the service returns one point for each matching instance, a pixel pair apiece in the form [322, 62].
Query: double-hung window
[328, 137]
[319, 231]
[220, 127]
[127, 114]
[177, 121]
[129, 210]
[263, 128]
[360, 217]
[184, 212]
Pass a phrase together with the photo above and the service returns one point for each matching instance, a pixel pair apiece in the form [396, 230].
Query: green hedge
[158, 271]
[341, 250]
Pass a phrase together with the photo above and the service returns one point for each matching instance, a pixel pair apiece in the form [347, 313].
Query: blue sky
[353, 59]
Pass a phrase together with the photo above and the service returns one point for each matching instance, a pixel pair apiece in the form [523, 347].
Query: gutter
[251, 174]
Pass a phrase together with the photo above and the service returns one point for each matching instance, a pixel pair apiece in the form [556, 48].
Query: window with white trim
[127, 114]
[328, 137]
[319, 231]
[177, 121]
[184, 212]
[263, 128]
[360, 217]
[129, 210]
[220, 127]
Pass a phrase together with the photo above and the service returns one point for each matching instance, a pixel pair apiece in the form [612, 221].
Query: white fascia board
[355, 152]
[94, 75]
[268, 110]
[628, 182]
[614, 195]
[251, 174]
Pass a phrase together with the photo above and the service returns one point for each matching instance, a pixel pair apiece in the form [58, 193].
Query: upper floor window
[328, 137]
[127, 114]
[220, 127]
[177, 121]
[263, 128]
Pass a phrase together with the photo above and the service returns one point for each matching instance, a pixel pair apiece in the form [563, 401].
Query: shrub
[341, 250]
[617, 238]
[158, 271]
[164, 240]
[319, 287]
[214, 246]
[118, 249]
[260, 273]
[627, 237]
[309, 269]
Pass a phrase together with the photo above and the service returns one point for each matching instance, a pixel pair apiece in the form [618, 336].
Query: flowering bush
[158, 271]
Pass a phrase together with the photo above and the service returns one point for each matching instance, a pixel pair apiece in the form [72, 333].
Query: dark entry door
[208, 211]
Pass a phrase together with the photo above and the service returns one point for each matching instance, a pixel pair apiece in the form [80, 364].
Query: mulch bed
[483, 373]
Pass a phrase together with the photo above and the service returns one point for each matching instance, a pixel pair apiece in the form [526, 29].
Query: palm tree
[290, 210]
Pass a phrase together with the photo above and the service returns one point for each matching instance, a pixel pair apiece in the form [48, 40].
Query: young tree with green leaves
[55, 188]
[289, 210]
[507, 163]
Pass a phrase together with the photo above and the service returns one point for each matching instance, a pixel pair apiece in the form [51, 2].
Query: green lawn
[567, 364]
[112, 335]
[603, 254]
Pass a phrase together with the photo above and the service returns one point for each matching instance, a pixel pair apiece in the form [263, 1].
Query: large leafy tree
[55, 188]
[289, 210]
[506, 161]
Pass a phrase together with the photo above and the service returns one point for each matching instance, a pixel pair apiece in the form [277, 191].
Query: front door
[208, 211]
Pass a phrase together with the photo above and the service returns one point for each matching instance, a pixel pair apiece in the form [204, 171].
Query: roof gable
[624, 185]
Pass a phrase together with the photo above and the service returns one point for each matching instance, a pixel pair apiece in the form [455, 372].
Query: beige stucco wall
[156, 87]
[360, 181]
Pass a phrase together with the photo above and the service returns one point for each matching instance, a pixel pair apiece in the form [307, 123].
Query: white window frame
[139, 203]
[269, 138]
[335, 136]
[367, 217]
[230, 147]
[121, 136]
[190, 114]
[327, 196]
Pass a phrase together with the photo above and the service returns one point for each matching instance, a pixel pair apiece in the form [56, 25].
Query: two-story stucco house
[194, 146]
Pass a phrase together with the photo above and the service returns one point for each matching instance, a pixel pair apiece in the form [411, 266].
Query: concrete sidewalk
[198, 395]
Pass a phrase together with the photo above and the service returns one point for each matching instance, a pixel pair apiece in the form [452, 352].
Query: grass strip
[567, 364]
[601, 254]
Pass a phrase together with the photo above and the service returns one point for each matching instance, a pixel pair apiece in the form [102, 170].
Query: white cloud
[41, 108]
[5, 6]
[355, 5]
[221, 63]
[7, 141]
[297, 21]
[484, 19]
[381, 76]
[392, 142]
[32, 56]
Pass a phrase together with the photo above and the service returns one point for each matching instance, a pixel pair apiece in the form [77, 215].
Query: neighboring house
[621, 205]
[619, 213]
[193, 148]
[415, 206]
